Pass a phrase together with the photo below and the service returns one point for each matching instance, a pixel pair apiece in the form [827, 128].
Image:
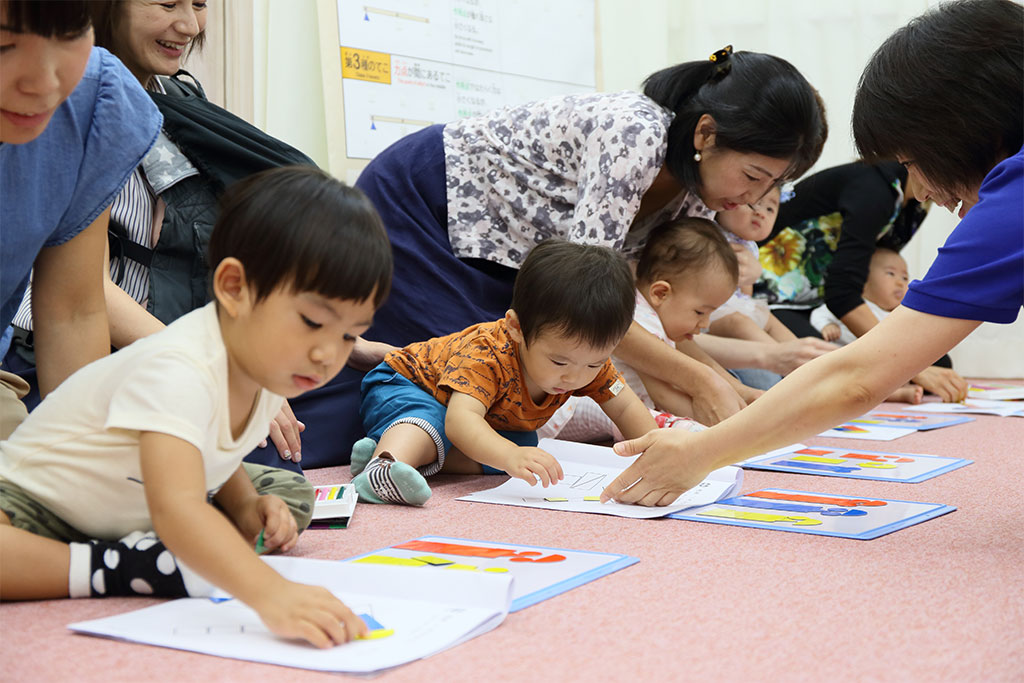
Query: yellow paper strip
[385, 559]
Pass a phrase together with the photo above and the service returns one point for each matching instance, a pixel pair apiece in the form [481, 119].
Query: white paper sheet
[971, 405]
[867, 432]
[539, 572]
[855, 463]
[997, 392]
[428, 611]
[588, 469]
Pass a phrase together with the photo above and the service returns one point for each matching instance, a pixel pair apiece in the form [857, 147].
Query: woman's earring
[697, 157]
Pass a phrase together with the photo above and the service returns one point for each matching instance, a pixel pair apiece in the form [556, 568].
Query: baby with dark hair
[686, 271]
[472, 401]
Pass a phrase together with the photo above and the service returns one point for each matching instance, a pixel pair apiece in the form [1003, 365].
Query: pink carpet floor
[940, 601]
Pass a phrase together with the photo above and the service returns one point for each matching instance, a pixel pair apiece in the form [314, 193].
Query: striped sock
[387, 481]
[362, 452]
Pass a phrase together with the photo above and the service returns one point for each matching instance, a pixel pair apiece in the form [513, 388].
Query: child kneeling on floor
[686, 271]
[143, 441]
[472, 401]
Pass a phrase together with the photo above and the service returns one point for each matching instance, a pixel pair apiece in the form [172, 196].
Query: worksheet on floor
[588, 469]
[414, 619]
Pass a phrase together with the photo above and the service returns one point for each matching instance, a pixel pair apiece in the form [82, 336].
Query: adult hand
[284, 433]
[750, 267]
[785, 357]
[661, 474]
[943, 382]
[715, 401]
[366, 354]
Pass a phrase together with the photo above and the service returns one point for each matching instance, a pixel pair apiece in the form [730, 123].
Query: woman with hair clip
[74, 123]
[944, 96]
[464, 202]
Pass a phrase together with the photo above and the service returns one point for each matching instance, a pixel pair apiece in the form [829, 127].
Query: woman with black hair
[73, 126]
[464, 202]
[944, 96]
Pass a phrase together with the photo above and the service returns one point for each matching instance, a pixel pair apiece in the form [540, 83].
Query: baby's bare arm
[469, 432]
[629, 414]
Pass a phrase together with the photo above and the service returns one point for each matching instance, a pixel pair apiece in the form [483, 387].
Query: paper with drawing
[588, 469]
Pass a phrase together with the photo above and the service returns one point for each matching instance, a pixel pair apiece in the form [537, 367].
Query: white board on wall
[402, 65]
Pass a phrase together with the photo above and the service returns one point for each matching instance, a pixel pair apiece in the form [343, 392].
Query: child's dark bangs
[353, 265]
[63, 19]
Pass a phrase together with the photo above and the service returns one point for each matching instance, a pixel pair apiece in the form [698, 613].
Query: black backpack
[224, 149]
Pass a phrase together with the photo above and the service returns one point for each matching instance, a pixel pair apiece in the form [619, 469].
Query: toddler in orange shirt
[472, 401]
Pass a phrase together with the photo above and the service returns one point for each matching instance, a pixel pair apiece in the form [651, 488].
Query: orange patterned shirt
[483, 362]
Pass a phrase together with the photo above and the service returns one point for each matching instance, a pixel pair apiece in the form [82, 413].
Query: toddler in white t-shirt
[146, 439]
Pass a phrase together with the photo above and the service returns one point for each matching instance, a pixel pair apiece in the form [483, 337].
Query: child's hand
[295, 610]
[830, 332]
[750, 267]
[529, 461]
[276, 523]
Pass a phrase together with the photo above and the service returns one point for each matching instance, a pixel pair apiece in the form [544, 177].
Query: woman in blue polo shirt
[944, 96]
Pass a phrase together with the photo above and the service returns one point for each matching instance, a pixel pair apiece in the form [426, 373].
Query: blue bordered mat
[538, 573]
[820, 514]
[855, 463]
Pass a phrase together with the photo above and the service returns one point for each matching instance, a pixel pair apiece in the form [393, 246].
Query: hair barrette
[721, 60]
[786, 192]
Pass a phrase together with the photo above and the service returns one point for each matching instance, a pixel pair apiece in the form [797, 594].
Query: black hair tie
[722, 61]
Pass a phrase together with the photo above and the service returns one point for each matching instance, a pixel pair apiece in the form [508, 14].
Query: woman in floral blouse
[464, 202]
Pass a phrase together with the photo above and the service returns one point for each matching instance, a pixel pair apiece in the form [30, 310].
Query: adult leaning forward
[463, 203]
[962, 149]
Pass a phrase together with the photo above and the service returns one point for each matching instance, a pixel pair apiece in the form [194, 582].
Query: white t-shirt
[78, 452]
[821, 316]
[755, 309]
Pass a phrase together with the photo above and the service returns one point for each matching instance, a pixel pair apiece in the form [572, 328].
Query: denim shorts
[390, 398]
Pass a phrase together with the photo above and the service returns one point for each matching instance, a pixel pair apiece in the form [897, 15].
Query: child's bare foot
[911, 393]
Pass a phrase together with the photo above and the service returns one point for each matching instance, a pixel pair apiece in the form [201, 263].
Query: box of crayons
[333, 507]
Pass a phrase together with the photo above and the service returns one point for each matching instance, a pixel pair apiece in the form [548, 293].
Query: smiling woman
[150, 37]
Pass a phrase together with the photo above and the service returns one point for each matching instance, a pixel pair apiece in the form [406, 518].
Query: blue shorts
[389, 398]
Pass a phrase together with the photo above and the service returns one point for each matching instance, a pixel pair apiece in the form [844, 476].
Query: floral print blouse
[574, 167]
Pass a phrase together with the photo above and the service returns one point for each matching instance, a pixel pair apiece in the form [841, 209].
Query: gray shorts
[25, 513]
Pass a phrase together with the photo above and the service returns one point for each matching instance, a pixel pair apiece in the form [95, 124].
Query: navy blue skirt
[433, 293]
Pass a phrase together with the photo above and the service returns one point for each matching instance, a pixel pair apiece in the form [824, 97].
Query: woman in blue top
[944, 96]
[74, 123]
